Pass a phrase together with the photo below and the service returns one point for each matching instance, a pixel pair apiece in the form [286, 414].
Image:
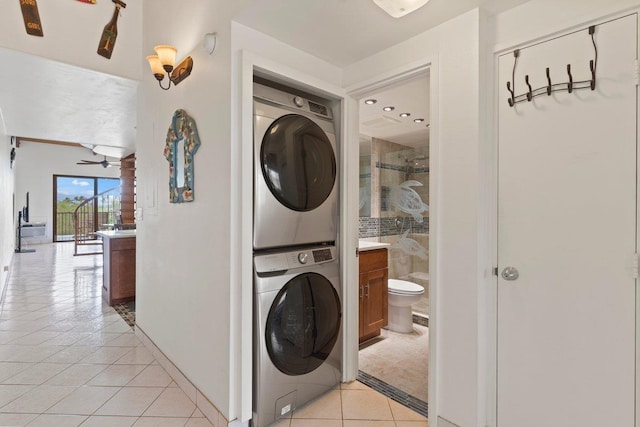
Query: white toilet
[402, 294]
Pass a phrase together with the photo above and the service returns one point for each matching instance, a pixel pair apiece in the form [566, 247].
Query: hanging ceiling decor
[110, 32]
[31, 17]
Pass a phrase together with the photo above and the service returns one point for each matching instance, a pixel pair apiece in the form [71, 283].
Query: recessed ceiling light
[399, 8]
[389, 108]
[418, 120]
[370, 101]
[405, 114]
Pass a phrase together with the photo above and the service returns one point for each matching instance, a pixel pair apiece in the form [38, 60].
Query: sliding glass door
[100, 198]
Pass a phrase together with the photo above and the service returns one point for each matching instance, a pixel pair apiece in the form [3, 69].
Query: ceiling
[410, 97]
[44, 99]
[343, 32]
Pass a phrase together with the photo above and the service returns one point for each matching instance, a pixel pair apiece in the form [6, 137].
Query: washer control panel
[294, 259]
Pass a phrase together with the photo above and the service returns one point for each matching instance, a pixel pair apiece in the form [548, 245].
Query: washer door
[303, 324]
[298, 162]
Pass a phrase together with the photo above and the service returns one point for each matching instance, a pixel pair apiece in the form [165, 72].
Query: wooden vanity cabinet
[373, 292]
[119, 273]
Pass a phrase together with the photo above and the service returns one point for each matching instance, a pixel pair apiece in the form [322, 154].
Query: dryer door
[298, 162]
[303, 324]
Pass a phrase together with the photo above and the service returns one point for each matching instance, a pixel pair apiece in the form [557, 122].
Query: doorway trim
[245, 65]
[349, 221]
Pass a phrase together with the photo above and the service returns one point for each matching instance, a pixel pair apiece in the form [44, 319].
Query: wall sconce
[163, 62]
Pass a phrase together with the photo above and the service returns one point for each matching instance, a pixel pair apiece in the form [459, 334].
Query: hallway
[67, 359]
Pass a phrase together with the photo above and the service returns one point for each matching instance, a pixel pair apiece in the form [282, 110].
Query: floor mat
[127, 311]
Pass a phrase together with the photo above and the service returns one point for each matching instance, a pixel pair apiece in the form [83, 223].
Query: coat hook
[530, 93]
[570, 84]
[593, 74]
[511, 100]
[548, 82]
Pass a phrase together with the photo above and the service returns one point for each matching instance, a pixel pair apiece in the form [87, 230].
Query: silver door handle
[510, 273]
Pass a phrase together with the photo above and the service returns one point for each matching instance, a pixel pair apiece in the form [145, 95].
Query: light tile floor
[67, 359]
[407, 369]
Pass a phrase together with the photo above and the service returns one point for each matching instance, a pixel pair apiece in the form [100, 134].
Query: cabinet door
[375, 300]
[123, 274]
[362, 306]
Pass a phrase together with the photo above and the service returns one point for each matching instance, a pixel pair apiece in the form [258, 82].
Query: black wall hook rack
[569, 86]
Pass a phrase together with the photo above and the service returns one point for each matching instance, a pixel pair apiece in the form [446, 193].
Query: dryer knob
[299, 102]
[303, 257]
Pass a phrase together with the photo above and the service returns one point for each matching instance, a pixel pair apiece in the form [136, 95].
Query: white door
[567, 222]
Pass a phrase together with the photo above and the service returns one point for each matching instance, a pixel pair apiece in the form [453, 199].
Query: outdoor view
[72, 191]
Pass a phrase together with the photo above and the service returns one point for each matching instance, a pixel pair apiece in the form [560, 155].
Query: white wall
[7, 230]
[35, 165]
[183, 262]
[72, 32]
[186, 251]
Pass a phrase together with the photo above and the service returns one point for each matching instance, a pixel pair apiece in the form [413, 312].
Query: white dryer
[295, 173]
[297, 339]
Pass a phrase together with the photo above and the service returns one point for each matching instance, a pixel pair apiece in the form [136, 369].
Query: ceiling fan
[104, 163]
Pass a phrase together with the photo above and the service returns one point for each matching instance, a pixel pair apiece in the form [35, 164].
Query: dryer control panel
[297, 258]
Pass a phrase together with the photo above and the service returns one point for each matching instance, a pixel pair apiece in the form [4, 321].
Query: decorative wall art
[31, 17]
[181, 145]
[110, 32]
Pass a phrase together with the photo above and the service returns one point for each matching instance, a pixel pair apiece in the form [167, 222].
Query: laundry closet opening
[393, 288]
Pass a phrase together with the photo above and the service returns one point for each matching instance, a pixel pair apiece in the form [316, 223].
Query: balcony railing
[97, 213]
[64, 226]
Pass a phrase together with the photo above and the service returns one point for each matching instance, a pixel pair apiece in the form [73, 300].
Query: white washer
[295, 171]
[297, 338]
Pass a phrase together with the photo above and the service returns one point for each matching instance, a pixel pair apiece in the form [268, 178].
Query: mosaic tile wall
[379, 227]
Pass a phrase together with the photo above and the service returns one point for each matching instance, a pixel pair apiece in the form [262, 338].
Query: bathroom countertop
[364, 245]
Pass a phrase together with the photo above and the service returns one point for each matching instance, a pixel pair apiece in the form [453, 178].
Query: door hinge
[636, 72]
[495, 271]
[357, 252]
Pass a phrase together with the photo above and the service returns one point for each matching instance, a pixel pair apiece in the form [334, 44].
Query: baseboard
[4, 281]
[444, 423]
[209, 410]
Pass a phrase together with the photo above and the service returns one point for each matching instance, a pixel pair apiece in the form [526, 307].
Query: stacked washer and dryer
[297, 299]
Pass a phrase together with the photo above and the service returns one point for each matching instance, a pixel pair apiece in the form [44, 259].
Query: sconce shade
[167, 56]
[164, 63]
[155, 64]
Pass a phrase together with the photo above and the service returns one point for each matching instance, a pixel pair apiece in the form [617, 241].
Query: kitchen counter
[364, 245]
[116, 234]
[119, 264]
